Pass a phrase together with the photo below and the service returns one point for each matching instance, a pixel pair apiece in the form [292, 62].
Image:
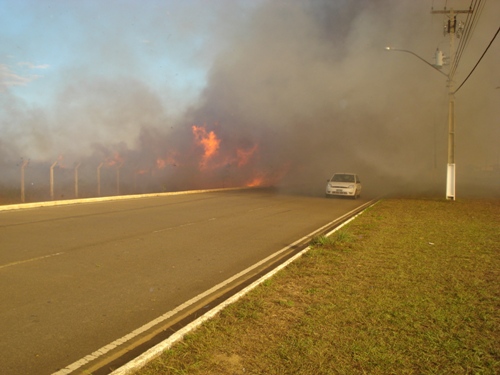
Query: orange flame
[244, 156]
[169, 160]
[257, 181]
[60, 162]
[160, 163]
[269, 178]
[208, 140]
[115, 160]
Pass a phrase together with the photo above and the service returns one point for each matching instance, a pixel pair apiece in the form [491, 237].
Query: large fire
[203, 159]
[217, 159]
[209, 142]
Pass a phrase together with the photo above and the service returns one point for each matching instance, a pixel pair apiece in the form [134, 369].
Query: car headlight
[351, 186]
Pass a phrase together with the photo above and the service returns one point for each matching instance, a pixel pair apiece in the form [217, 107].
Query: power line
[464, 38]
[486, 50]
[469, 28]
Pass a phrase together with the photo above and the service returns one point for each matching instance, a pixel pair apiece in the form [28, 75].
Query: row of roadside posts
[25, 163]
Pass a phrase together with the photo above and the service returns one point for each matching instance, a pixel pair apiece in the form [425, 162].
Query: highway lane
[75, 278]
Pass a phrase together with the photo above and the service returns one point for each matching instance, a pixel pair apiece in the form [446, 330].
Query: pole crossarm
[448, 11]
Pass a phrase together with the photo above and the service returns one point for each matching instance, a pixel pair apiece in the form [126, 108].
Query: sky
[288, 91]
[167, 45]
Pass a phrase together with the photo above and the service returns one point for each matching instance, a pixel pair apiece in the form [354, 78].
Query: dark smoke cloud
[310, 79]
[306, 84]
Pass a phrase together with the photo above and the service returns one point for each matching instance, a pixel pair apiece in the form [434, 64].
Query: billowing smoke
[296, 91]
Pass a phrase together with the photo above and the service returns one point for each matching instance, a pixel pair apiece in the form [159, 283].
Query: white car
[343, 184]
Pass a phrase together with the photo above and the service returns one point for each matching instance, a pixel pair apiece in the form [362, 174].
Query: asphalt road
[75, 278]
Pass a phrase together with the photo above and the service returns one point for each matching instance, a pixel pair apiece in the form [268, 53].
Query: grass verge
[409, 287]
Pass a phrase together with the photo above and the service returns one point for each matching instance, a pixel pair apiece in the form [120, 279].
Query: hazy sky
[305, 84]
[167, 44]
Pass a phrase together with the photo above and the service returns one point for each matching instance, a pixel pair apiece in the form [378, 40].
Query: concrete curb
[21, 206]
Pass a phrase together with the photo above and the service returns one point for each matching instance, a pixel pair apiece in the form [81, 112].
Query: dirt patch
[231, 364]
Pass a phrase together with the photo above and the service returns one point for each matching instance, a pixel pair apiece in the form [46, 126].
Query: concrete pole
[23, 165]
[76, 179]
[450, 173]
[52, 180]
[99, 179]
[118, 179]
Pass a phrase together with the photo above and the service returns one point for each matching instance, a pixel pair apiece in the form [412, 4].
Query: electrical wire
[486, 50]
[476, 7]
[464, 38]
[478, 10]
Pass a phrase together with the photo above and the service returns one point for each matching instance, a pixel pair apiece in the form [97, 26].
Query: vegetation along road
[409, 287]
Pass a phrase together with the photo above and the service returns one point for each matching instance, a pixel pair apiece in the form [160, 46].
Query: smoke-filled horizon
[295, 90]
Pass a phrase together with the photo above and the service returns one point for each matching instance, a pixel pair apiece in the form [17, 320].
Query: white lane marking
[60, 253]
[176, 227]
[256, 209]
[30, 260]
[182, 225]
[152, 353]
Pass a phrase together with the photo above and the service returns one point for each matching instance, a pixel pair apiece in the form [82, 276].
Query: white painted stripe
[170, 228]
[30, 260]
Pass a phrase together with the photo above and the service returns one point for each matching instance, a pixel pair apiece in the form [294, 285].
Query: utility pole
[52, 180]
[118, 178]
[99, 179]
[453, 31]
[76, 178]
[23, 165]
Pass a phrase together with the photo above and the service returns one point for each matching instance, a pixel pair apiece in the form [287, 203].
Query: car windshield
[343, 178]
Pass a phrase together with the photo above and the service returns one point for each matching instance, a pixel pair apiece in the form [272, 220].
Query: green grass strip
[409, 287]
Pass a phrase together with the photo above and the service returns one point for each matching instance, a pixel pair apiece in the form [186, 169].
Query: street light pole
[450, 174]
[452, 28]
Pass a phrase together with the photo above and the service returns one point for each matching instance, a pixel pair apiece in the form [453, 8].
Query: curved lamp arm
[414, 54]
